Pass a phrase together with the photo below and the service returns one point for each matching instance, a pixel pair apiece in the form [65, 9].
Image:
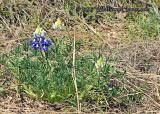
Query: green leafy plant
[149, 25]
[141, 27]
[49, 76]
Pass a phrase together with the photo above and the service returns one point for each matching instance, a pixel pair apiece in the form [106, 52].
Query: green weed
[49, 77]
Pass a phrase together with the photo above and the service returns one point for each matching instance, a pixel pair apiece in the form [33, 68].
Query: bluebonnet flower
[39, 32]
[39, 40]
[57, 24]
[46, 42]
[44, 47]
[100, 63]
[35, 43]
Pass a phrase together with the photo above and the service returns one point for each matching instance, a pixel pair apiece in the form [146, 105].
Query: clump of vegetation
[48, 75]
[143, 27]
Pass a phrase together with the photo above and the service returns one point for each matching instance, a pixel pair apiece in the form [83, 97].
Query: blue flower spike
[39, 32]
[44, 47]
[37, 46]
[47, 42]
[58, 24]
[100, 63]
[39, 40]
[33, 42]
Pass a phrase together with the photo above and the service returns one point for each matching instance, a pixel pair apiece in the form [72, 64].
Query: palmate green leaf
[3, 59]
[111, 69]
[17, 49]
[113, 92]
[12, 68]
[79, 79]
[95, 58]
[51, 37]
[69, 48]
[65, 53]
[35, 52]
[25, 46]
[78, 45]
[90, 66]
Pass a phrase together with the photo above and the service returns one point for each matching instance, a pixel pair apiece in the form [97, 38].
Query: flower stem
[44, 56]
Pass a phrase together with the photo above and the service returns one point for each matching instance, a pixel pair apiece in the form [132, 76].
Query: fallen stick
[93, 30]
